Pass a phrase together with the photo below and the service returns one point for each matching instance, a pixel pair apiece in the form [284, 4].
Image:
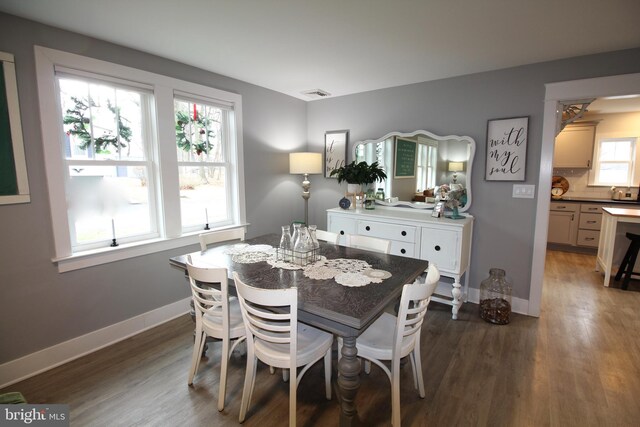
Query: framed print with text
[507, 149]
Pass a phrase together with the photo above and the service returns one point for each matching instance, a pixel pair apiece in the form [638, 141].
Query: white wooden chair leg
[285, 375]
[224, 361]
[367, 366]
[418, 372]
[198, 345]
[272, 370]
[248, 388]
[395, 394]
[293, 385]
[327, 374]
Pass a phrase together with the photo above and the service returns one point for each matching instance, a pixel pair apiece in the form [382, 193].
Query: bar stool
[629, 260]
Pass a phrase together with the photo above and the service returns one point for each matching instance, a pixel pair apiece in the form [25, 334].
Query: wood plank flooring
[576, 365]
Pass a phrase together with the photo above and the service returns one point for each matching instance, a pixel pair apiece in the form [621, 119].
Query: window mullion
[168, 163]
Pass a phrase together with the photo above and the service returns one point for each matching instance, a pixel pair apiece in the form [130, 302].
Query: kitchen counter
[612, 235]
[600, 201]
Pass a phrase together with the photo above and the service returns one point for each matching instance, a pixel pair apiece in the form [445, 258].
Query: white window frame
[426, 165]
[634, 163]
[165, 169]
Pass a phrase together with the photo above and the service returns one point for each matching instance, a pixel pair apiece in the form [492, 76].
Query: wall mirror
[419, 161]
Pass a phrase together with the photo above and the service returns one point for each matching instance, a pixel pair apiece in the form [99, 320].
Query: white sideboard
[415, 233]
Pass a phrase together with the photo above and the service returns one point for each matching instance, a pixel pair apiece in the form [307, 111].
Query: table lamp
[456, 167]
[305, 164]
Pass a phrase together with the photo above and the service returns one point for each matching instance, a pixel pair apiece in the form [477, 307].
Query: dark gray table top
[342, 310]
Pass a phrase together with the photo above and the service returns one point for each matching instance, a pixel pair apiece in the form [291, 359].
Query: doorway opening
[555, 95]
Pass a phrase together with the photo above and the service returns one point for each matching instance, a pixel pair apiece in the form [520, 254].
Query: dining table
[343, 292]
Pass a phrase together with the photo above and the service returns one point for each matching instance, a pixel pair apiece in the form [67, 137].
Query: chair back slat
[206, 298]
[269, 313]
[413, 306]
[220, 236]
[368, 243]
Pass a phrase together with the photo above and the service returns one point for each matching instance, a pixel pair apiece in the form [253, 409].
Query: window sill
[106, 255]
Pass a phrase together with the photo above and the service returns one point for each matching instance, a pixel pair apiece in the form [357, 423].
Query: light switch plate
[523, 191]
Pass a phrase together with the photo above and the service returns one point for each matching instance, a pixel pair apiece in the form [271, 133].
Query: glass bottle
[380, 194]
[285, 244]
[495, 297]
[314, 238]
[369, 201]
[302, 246]
[296, 234]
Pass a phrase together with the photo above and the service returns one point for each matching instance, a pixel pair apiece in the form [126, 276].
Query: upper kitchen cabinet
[574, 146]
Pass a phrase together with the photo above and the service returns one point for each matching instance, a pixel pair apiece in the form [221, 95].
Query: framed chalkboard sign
[506, 149]
[14, 186]
[405, 159]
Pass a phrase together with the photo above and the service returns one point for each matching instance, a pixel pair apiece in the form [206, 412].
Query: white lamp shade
[456, 166]
[301, 163]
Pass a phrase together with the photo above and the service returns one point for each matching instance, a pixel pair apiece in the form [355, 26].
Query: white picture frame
[335, 151]
[507, 149]
[14, 183]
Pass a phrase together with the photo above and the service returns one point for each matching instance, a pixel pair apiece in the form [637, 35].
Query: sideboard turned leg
[456, 293]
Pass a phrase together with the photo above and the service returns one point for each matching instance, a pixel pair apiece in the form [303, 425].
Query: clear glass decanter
[285, 244]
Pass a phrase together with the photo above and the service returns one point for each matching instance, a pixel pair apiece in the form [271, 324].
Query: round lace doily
[250, 254]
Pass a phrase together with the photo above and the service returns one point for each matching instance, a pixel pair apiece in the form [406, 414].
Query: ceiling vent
[316, 93]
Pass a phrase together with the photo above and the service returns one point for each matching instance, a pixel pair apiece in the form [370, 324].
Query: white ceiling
[348, 46]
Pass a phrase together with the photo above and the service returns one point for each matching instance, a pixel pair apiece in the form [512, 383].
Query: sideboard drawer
[342, 226]
[407, 249]
[401, 233]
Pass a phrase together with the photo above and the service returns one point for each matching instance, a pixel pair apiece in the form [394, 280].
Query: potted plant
[359, 173]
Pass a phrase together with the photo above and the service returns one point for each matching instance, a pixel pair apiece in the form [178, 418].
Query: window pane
[203, 195]
[98, 194]
[102, 122]
[199, 132]
[615, 150]
[613, 173]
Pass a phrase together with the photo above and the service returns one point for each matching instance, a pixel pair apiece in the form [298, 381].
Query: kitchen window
[143, 158]
[615, 162]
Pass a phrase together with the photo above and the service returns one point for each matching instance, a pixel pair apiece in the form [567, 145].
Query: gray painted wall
[40, 307]
[504, 227]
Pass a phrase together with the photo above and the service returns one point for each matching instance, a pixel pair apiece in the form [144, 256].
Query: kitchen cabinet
[574, 146]
[415, 233]
[563, 223]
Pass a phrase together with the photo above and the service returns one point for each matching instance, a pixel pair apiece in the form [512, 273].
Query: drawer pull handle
[437, 247]
[589, 238]
[367, 228]
[591, 222]
[342, 232]
[404, 233]
[403, 251]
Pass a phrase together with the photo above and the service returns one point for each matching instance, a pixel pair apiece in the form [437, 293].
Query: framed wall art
[14, 185]
[405, 159]
[507, 149]
[335, 150]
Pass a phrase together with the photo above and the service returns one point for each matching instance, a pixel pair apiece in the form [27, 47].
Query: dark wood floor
[576, 365]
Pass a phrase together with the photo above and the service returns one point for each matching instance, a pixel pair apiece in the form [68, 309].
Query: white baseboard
[35, 363]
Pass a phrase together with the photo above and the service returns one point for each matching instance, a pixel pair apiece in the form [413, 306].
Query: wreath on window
[185, 123]
[80, 122]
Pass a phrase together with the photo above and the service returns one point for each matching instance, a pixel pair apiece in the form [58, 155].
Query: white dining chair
[216, 316]
[390, 338]
[277, 339]
[220, 236]
[368, 243]
[327, 236]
